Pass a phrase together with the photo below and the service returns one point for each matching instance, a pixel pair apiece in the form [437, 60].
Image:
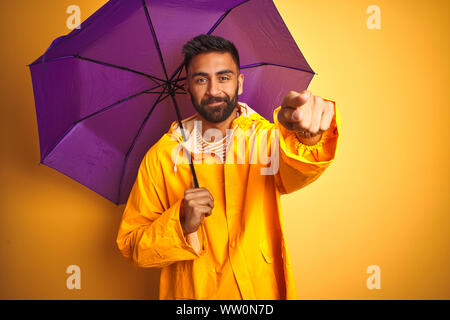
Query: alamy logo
[74, 20]
[74, 280]
[374, 20]
[374, 280]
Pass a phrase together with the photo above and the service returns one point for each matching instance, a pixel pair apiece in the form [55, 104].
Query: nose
[213, 88]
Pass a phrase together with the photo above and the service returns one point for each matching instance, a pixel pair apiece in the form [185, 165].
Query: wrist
[307, 138]
[181, 217]
[181, 209]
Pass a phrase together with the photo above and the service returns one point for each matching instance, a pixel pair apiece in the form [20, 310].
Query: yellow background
[384, 201]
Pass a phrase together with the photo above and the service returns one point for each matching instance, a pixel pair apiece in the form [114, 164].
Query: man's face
[214, 83]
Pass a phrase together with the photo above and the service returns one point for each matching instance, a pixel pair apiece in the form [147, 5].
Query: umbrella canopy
[105, 93]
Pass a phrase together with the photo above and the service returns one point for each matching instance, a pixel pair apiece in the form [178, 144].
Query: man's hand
[306, 115]
[197, 204]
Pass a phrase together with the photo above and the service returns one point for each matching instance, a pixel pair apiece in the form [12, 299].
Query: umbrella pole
[192, 238]
[191, 164]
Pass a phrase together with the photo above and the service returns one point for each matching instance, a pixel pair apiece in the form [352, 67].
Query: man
[235, 213]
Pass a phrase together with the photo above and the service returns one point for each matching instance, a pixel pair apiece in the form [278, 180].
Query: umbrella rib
[254, 65]
[177, 86]
[91, 115]
[158, 100]
[116, 103]
[103, 63]
[155, 79]
[260, 64]
[181, 79]
[50, 60]
[75, 31]
[155, 39]
[177, 72]
[216, 24]
[223, 17]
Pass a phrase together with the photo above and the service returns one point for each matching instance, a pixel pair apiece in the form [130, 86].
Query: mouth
[213, 104]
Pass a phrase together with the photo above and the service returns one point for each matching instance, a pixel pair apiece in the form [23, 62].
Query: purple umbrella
[105, 93]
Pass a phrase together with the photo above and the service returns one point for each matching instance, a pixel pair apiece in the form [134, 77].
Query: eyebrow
[204, 74]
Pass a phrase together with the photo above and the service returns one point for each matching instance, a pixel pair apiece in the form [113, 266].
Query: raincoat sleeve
[301, 164]
[150, 232]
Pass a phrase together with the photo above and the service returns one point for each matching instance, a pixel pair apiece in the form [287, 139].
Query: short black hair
[204, 43]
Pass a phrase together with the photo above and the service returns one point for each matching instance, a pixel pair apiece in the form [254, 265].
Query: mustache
[215, 99]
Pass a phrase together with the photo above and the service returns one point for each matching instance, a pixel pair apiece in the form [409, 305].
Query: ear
[241, 83]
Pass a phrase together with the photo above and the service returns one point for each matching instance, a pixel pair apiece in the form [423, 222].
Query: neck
[222, 126]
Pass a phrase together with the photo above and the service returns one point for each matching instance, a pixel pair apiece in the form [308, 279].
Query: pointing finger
[295, 99]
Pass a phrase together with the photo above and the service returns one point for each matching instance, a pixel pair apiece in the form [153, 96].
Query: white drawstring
[230, 137]
[176, 158]
[179, 147]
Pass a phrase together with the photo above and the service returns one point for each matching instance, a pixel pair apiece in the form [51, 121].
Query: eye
[201, 80]
[224, 78]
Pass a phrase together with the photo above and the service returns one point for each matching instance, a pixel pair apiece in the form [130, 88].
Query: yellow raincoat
[244, 253]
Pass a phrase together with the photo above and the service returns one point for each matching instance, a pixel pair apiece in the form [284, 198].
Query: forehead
[212, 62]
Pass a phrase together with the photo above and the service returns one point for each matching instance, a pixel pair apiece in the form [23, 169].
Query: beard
[217, 113]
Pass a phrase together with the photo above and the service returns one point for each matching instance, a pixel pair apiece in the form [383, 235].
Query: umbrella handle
[192, 239]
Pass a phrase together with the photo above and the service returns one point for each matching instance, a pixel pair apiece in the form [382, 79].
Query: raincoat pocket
[184, 288]
[268, 256]
[193, 281]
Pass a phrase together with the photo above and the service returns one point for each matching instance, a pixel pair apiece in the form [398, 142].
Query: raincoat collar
[247, 119]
